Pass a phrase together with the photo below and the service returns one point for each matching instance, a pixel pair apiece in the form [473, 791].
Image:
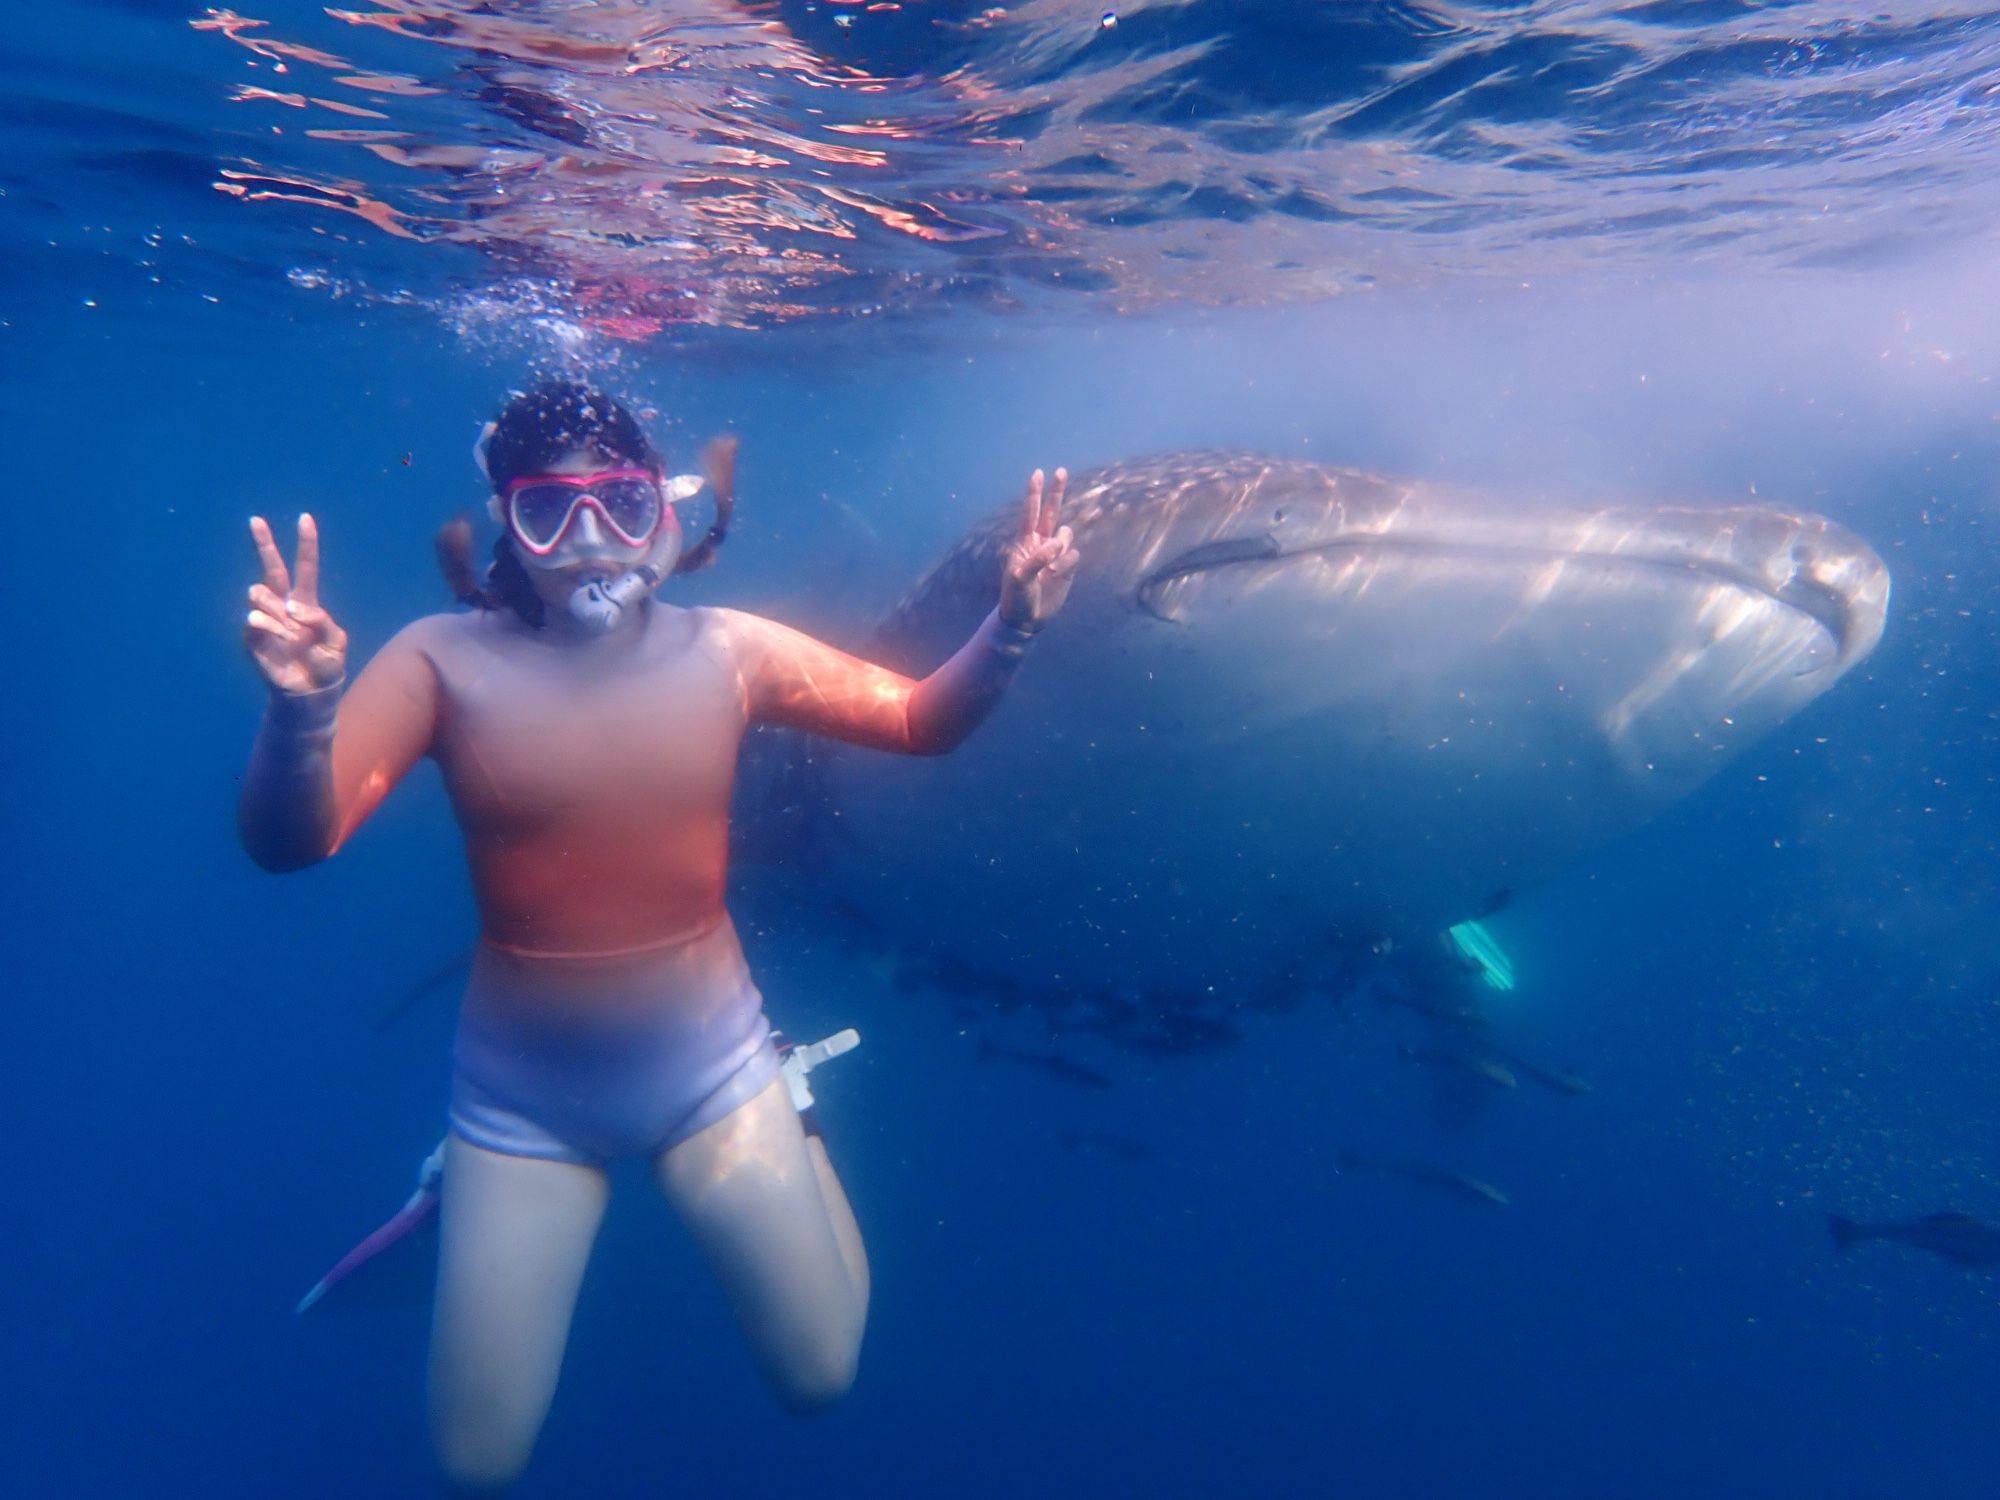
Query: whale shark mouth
[1853, 620]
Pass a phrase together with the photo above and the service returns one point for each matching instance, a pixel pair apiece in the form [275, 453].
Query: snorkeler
[588, 738]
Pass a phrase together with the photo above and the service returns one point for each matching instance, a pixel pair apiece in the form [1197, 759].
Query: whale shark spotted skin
[1292, 708]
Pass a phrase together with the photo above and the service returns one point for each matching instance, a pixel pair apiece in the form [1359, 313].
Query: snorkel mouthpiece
[600, 604]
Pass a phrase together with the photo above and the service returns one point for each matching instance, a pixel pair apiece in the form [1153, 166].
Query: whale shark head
[1292, 706]
[1279, 592]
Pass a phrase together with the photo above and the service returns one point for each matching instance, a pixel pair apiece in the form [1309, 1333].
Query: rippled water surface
[633, 166]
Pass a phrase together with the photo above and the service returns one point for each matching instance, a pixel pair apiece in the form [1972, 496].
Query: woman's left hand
[1041, 560]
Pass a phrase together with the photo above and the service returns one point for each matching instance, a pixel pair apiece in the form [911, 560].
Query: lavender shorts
[594, 1058]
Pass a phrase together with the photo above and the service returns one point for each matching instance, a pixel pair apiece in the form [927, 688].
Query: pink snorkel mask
[541, 508]
[630, 504]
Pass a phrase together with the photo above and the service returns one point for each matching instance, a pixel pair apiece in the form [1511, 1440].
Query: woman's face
[588, 549]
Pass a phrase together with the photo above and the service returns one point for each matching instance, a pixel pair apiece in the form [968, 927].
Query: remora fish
[1464, 1072]
[417, 993]
[1054, 1064]
[1556, 1080]
[1293, 709]
[1442, 1178]
[1969, 1242]
[1479, 1064]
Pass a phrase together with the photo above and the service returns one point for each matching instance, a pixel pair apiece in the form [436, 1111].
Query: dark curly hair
[535, 429]
[540, 427]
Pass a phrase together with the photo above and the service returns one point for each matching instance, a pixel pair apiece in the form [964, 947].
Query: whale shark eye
[1277, 515]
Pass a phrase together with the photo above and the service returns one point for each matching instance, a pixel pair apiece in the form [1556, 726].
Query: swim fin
[419, 1207]
[797, 1061]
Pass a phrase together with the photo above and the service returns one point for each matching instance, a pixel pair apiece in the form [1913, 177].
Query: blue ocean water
[1654, 251]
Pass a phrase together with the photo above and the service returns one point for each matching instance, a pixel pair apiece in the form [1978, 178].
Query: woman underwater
[588, 738]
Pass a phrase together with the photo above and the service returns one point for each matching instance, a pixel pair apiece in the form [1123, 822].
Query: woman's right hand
[295, 643]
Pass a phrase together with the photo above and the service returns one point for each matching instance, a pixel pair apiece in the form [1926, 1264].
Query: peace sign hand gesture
[1041, 560]
[295, 643]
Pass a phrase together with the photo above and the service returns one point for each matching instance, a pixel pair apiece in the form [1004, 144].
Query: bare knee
[476, 1476]
[812, 1364]
[516, 1236]
[466, 1487]
[811, 1380]
[479, 1453]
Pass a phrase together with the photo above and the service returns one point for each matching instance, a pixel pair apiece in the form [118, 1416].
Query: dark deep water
[1785, 992]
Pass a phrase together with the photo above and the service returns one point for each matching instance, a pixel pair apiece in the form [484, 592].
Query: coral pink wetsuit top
[591, 775]
[592, 778]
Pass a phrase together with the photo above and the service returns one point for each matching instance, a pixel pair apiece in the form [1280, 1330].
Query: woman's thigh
[516, 1235]
[750, 1193]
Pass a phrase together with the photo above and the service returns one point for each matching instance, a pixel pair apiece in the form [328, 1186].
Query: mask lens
[541, 511]
[632, 505]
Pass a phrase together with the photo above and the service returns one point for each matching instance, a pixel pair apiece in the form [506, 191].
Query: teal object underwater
[1472, 942]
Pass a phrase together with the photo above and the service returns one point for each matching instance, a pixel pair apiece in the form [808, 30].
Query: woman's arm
[791, 679]
[315, 775]
[325, 759]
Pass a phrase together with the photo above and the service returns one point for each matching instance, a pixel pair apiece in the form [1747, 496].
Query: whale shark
[1292, 710]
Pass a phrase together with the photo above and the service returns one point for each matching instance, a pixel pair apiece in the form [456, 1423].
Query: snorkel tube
[599, 604]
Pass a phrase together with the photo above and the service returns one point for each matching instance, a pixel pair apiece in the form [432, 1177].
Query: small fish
[1562, 1080]
[1122, 1146]
[1055, 1065]
[406, 459]
[1174, 1029]
[947, 976]
[1442, 1178]
[1446, 1004]
[1959, 1238]
[414, 996]
[1470, 1062]
[1465, 1073]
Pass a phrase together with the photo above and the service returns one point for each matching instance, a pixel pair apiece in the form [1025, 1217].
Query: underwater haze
[1389, 1230]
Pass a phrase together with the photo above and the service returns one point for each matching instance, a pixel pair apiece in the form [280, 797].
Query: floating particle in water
[843, 21]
